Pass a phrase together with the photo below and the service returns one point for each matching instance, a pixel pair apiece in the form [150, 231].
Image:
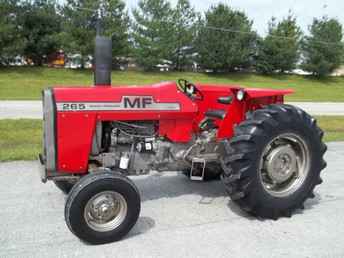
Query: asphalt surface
[21, 109]
[33, 109]
[179, 218]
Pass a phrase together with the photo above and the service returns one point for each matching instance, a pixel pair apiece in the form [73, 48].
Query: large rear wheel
[273, 162]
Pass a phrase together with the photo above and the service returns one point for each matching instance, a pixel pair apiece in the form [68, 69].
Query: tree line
[221, 39]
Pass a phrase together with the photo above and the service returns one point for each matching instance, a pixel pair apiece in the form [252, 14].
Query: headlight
[240, 95]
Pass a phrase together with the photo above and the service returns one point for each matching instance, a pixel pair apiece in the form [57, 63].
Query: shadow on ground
[157, 186]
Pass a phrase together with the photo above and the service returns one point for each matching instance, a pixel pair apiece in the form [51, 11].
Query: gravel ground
[33, 109]
[179, 218]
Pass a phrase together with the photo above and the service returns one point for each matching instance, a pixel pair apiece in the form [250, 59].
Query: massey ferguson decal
[127, 103]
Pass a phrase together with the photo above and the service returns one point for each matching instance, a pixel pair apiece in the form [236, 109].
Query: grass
[332, 126]
[26, 83]
[21, 139]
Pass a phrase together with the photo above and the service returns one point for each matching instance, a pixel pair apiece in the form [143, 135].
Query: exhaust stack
[103, 61]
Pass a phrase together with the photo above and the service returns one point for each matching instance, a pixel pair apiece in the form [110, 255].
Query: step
[225, 100]
[216, 113]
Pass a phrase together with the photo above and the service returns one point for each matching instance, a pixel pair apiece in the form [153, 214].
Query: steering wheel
[190, 89]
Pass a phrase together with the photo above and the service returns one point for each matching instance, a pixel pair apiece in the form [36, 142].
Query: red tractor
[269, 155]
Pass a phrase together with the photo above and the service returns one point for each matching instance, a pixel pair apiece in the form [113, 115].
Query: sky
[261, 11]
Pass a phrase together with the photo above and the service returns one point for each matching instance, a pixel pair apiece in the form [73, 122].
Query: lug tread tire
[78, 192]
[240, 164]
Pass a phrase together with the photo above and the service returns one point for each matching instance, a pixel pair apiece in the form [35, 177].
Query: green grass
[21, 139]
[26, 83]
[332, 126]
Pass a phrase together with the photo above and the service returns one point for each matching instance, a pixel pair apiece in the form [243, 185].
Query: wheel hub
[105, 211]
[104, 208]
[281, 163]
[284, 165]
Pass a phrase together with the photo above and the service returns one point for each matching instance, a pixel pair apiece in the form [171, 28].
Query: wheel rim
[105, 211]
[284, 165]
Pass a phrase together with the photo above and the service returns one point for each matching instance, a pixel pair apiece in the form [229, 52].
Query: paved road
[179, 218]
[20, 109]
[33, 109]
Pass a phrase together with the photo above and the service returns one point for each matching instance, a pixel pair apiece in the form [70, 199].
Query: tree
[279, 50]
[11, 42]
[323, 49]
[183, 21]
[152, 32]
[226, 40]
[80, 19]
[40, 24]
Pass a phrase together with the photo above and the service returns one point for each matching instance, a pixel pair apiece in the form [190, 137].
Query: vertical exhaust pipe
[103, 61]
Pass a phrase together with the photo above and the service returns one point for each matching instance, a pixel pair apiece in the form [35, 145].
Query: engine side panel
[74, 140]
[79, 109]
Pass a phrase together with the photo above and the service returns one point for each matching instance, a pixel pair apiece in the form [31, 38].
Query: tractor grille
[49, 130]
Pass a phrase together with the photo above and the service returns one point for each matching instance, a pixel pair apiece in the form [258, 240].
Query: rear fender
[254, 99]
[258, 98]
[253, 93]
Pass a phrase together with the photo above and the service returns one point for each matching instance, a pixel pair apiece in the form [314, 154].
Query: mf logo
[137, 102]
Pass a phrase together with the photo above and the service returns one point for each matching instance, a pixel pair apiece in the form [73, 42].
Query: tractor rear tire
[64, 186]
[273, 162]
[102, 207]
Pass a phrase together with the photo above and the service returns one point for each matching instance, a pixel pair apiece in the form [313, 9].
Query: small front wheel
[102, 207]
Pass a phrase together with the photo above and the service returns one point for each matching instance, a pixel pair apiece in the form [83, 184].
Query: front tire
[102, 207]
[273, 162]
